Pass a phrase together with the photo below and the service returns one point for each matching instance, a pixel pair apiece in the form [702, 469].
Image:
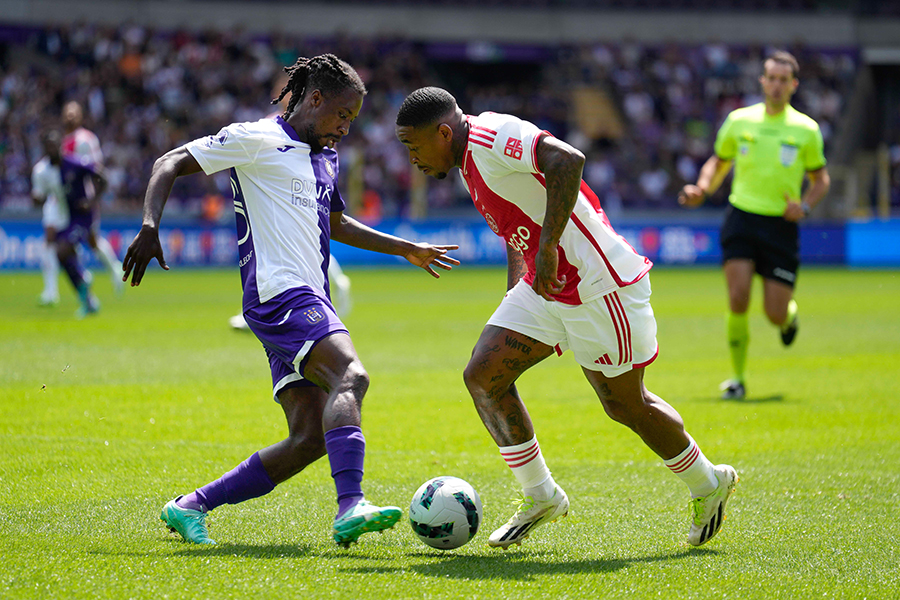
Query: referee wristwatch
[806, 208]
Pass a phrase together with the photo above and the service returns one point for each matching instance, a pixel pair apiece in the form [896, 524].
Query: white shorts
[611, 334]
[54, 215]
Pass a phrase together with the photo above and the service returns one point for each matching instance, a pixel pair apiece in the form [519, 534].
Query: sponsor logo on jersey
[513, 148]
[313, 315]
[491, 223]
[285, 148]
[309, 193]
[219, 137]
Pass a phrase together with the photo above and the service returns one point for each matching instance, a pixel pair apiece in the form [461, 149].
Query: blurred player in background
[284, 174]
[47, 192]
[572, 283]
[772, 147]
[78, 185]
[337, 279]
[84, 146]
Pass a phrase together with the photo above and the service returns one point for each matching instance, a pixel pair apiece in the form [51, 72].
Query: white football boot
[529, 515]
[709, 510]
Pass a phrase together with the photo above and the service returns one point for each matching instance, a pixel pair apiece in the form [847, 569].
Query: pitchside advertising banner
[671, 243]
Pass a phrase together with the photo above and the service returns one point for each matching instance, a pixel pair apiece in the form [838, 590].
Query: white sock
[108, 257]
[50, 271]
[527, 464]
[695, 470]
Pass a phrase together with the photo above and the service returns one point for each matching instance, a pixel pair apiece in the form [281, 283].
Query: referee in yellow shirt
[772, 147]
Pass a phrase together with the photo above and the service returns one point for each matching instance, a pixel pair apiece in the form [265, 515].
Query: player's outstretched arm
[146, 245]
[353, 233]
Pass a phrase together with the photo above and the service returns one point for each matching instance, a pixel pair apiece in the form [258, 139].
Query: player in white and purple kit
[284, 175]
[573, 284]
[72, 184]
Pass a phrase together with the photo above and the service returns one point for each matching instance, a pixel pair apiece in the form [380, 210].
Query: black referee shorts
[772, 243]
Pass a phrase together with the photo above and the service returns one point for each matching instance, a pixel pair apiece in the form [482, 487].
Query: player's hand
[425, 255]
[691, 196]
[545, 282]
[142, 250]
[793, 210]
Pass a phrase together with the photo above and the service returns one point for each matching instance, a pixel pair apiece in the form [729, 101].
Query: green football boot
[363, 518]
[191, 524]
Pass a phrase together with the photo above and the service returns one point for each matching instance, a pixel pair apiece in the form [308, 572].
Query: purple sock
[74, 270]
[247, 480]
[346, 447]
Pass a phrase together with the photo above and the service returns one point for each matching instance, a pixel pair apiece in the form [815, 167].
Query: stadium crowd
[644, 115]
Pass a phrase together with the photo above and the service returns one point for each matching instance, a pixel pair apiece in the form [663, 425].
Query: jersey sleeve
[726, 146]
[38, 182]
[814, 152]
[222, 151]
[515, 143]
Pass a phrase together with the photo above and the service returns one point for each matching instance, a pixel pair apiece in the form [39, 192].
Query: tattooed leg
[500, 356]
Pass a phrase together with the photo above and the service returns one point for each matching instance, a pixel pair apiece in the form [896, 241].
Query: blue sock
[346, 447]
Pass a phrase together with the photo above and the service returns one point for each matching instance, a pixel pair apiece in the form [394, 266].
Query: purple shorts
[289, 326]
[78, 230]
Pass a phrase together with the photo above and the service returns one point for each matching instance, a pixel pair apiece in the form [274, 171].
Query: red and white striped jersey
[84, 145]
[501, 173]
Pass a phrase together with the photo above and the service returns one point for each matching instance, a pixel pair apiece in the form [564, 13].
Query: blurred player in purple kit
[573, 284]
[73, 184]
[83, 145]
[284, 175]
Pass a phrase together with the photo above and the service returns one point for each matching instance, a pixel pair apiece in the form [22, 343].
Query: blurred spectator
[646, 125]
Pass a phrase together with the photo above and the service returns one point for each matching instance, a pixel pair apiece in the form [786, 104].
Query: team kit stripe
[484, 136]
[480, 143]
[522, 457]
[623, 320]
[480, 128]
[687, 462]
[615, 321]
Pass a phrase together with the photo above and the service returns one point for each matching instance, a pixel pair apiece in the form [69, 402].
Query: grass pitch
[104, 420]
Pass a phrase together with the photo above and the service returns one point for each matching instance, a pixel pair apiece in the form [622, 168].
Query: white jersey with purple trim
[46, 183]
[284, 195]
[500, 171]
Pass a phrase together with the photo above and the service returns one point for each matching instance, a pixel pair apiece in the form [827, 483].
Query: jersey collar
[287, 128]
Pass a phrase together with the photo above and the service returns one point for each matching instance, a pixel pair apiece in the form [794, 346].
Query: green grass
[104, 420]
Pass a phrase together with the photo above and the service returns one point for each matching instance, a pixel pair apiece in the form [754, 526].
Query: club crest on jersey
[328, 168]
[491, 223]
[313, 315]
[513, 148]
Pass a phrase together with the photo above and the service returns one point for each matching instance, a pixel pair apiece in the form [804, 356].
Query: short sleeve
[726, 147]
[814, 152]
[38, 183]
[222, 151]
[514, 145]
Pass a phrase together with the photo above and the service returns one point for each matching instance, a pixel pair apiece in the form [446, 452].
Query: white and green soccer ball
[445, 512]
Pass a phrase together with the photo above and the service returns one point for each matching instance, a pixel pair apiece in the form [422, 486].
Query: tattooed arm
[515, 267]
[562, 166]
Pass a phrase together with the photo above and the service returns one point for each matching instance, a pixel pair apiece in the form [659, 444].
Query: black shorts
[772, 243]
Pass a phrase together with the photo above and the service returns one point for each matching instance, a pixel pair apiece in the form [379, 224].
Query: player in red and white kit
[83, 145]
[573, 284]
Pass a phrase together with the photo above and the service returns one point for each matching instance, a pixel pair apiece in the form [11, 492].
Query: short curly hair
[425, 106]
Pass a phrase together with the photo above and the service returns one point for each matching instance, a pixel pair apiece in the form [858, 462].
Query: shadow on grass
[523, 566]
[227, 550]
[755, 400]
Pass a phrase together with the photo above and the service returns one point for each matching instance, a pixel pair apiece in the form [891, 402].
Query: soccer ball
[445, 512]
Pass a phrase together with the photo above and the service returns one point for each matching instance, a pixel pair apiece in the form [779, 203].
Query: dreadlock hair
[425, 106]
[326, 73]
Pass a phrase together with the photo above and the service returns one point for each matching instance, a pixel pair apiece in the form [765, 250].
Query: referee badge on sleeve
[788, 153]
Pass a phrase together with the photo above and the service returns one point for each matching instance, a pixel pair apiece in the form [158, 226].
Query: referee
[772, 146]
